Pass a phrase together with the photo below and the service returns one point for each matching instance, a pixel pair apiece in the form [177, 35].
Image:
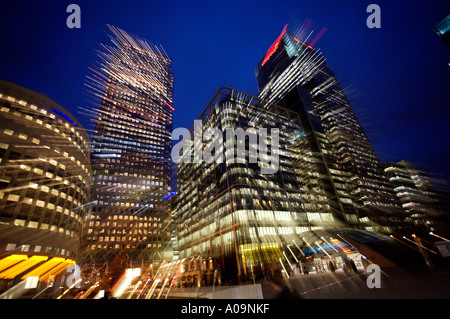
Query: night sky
[400, 71]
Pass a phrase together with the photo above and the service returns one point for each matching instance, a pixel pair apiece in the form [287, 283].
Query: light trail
[433, 234]
[404, 237]
[68, 289]
[292, 253]
[283, 267]
[298, 247]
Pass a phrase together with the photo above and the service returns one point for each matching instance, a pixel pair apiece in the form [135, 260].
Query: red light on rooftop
[273, 48]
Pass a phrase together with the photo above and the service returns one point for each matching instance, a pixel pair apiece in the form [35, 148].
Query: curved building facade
[45, 176]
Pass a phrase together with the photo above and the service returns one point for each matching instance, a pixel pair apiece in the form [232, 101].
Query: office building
[296, 76]
[329, 178]
[231, 215]
[45, 182]
[235, 222]
[131, 146]
[421, 201]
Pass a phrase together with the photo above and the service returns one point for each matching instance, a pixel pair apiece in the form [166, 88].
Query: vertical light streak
[284, 254]
[298, 247]
[292, 253]
[283, 267]
[440, 237]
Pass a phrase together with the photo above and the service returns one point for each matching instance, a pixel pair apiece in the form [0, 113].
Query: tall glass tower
[131, 146]
[232, 216]
[296, 76]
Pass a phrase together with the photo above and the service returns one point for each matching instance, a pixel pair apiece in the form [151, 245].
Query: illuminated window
[32, 224]
[40, 203]
[19, 222]
[10, 247]
[13, 197]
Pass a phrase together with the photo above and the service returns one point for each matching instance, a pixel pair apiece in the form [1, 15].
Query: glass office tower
[131, 146]
[296, 76]
[231, 214]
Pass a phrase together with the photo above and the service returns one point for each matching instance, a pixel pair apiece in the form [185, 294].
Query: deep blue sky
[399, 70]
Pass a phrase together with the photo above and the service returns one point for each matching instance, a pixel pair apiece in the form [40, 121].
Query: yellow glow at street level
[254, 247]
[11, 260]
[57, 270]
[21, 267]
[42, 269]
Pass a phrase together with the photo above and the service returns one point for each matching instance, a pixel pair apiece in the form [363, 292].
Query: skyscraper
[295, 75]
[236, 221]
[131, 147]
[231, 213]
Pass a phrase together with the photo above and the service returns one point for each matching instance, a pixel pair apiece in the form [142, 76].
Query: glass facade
[363, 192]
[231, 212]
[131, 147]
[236, 221]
